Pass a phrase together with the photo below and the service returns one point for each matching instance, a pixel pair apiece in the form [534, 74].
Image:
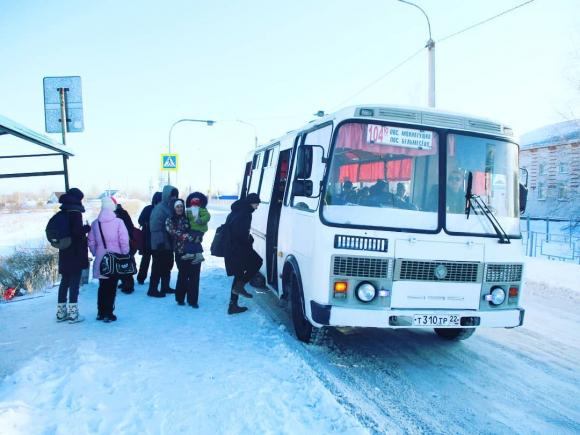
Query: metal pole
[207, 121]
[431, 48]
[63, 114]
[64, 163]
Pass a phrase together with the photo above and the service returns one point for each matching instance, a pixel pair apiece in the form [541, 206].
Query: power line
[487, 20]
[374, 82]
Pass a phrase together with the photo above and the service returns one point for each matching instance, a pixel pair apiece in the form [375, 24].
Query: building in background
[551, 156]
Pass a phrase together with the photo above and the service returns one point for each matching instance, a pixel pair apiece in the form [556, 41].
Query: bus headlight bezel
[366, 292]
[496, 296]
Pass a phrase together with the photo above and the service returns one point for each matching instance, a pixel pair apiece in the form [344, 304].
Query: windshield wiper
[471, 198]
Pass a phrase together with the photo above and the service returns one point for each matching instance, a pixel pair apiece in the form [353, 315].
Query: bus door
[278, 189]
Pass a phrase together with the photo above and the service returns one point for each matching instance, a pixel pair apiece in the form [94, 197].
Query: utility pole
[431, 63]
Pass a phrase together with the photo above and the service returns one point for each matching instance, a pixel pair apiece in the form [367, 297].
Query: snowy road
[168, 369]
[524, 380]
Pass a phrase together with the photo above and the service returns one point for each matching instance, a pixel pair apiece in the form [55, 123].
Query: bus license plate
[436, 320]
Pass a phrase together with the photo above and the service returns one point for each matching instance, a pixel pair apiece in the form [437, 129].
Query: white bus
[391, 217]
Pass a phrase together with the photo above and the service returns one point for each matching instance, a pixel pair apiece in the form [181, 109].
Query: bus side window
[309, 166]
[256, 174]
[245, 182]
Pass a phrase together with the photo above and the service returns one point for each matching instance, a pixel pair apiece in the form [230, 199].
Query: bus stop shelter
[10, 127]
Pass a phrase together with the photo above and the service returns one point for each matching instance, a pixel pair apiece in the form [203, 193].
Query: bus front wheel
[454, 334]
[303, 328]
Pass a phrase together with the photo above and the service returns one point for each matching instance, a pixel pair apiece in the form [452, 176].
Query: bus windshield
[493, 165]
[383, 176]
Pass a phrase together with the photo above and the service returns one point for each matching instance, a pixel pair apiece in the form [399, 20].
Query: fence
[553, 238]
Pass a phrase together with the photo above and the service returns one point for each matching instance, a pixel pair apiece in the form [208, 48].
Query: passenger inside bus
[455, 193]
[402, 200]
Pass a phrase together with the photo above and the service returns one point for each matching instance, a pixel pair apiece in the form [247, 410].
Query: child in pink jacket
[117, 241]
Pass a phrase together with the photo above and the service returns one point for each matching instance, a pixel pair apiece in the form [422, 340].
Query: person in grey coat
[161, 244]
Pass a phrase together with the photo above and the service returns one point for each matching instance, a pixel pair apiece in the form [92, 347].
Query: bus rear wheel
[304, 330]
[455, 334]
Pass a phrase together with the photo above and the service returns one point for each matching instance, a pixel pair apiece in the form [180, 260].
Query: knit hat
[195, 202]
[253, 198]
[178, 202]
[76, 193]
[108, 203]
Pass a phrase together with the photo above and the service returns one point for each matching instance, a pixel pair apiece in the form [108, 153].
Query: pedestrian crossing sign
[169, 162]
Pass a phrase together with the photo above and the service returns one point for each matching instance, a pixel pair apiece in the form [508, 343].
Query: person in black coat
[127, 285]
[242, 262]
[75, 258]
[146, 249]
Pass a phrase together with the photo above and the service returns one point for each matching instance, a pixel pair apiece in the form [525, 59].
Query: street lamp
[209, 122]
[255, 131]
[431, 47]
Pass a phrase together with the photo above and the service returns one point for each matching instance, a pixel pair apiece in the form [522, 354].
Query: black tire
[455, 334]
[305, 332]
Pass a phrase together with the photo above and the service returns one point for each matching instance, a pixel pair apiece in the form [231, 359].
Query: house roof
[553, 134]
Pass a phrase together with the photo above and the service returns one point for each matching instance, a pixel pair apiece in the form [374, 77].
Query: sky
[145, 65]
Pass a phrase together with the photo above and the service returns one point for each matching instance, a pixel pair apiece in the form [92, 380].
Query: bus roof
[428, 117]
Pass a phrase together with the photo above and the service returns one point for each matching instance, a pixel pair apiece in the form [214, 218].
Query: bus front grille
[450, 271]
[361, 267]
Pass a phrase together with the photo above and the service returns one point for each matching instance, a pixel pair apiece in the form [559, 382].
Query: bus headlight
[365, 291]
[496, 296]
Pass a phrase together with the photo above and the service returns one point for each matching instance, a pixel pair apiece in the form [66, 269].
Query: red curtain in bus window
[399, 170]
[348, 172]
[351, 136]
[372, 171]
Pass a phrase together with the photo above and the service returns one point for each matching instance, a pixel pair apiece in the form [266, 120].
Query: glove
[86, 228]
[198, 221]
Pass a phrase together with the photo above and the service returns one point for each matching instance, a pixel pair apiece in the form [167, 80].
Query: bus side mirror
[304, 162]
[302, 188]
[523, 198]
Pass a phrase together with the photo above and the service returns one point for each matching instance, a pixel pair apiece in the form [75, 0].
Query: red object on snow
[9, 293]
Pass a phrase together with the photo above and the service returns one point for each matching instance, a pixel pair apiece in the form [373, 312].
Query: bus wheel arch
[292, 283]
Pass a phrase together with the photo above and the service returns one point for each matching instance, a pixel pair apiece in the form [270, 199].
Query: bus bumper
[343, 316]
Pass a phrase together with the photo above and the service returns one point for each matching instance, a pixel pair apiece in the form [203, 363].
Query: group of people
[376, 195]
[172, 231]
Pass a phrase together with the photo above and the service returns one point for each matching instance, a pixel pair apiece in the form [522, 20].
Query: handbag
[115, 265]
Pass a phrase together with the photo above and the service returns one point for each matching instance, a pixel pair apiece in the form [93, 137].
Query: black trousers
[187, 281]
[69, 285]
[144, 266]
[106, 296]
[161, 269]
[128, 282]
[251, 267]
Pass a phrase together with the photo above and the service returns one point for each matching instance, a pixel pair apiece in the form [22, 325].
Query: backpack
[58, 230]
[222, 242]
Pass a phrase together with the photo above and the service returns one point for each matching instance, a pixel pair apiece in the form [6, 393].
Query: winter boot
[61, 313]
[238, 289]
[73, 314]
[234, 308]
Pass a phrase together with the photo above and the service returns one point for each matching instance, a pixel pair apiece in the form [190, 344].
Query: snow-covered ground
[162, 368]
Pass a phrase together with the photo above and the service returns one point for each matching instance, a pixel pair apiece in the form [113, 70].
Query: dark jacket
[122, 214]
[144, 223]
[180, 232]
[239, 222]
[160, 239]
[76, 257]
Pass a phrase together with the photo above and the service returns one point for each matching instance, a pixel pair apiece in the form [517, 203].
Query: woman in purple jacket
[117, 240]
